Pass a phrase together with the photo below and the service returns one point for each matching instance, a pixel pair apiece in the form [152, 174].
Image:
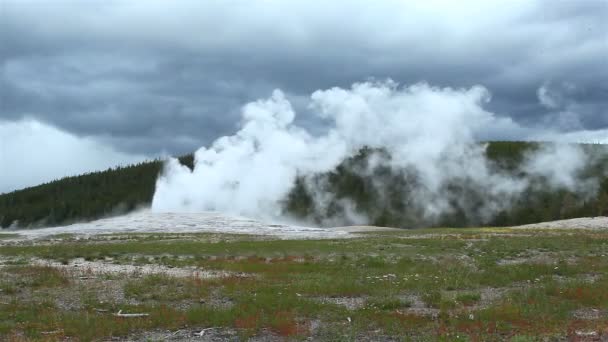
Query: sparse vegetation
[431, 284]
[163, 288]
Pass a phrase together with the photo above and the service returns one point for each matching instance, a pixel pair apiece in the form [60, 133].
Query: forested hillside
[120, 190]
[386, 197]
[89, 196]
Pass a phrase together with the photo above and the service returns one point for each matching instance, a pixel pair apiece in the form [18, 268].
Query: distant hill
[120, 190]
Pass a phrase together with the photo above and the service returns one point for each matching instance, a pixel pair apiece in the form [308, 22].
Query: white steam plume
[428, 130]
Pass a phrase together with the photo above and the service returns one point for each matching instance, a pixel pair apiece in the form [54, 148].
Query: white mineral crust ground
[146, 221]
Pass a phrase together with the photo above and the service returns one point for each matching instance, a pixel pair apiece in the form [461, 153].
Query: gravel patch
[589, 314]
[190, 334]
[351, 303]
[86, 269]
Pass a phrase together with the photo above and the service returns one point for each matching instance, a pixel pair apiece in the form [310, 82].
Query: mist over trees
[379, 196]
[386, 197]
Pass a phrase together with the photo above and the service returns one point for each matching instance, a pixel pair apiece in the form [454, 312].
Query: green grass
[35, 276]
[4, 236]
[468, 299]
[163, 288]
[389, 303]
[422, 284]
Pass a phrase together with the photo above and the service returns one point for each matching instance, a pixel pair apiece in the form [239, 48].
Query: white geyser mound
[426, 129]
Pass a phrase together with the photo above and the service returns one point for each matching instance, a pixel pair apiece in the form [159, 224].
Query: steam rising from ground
[430, 132]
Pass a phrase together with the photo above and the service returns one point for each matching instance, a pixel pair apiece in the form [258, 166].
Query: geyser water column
[427, 129]
[247, 173]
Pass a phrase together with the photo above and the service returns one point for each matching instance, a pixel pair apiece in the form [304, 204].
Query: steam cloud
[428, 131]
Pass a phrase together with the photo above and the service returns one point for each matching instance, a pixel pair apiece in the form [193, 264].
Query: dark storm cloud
[158, 76]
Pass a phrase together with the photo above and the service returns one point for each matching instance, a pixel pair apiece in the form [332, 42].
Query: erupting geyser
[431, 131]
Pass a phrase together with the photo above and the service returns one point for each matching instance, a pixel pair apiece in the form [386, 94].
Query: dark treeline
[85, 197]
[383, 197]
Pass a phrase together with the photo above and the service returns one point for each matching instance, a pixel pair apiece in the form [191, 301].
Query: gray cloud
[168, 76]
[50, 154]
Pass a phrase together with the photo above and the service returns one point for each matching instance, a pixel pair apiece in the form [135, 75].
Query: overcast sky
[126, 80]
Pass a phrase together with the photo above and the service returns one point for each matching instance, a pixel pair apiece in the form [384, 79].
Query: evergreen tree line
[384, 197]
[86, 197]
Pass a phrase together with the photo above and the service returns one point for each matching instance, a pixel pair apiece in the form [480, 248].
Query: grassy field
[490, 284]
[7, 236]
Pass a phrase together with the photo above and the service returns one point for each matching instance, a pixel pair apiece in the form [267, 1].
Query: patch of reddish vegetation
[410, 319]
[256, 260]
[475, 328]
[198, 282]
[480, 331]
[291, 259]
[584, 295]
[285, 324]
[528, 326]
[250, 322]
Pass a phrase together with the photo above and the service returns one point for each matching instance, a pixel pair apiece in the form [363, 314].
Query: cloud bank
[32, 153]
[172, 75]
[148, 77]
